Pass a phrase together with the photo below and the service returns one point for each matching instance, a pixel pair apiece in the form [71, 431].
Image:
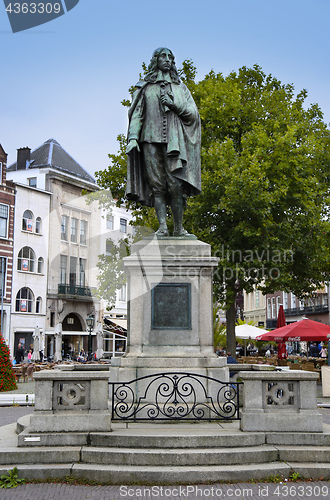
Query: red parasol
[303, 330]
[281, 348]
[280, 318]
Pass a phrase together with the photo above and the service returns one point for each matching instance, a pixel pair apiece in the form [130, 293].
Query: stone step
[179, 457]
[168, 475]
[40, 455]
[122, 474]
[316, 454]
[160, 439]
[300, 438]
[165, 457]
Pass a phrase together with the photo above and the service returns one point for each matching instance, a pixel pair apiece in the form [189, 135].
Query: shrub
[7, 376]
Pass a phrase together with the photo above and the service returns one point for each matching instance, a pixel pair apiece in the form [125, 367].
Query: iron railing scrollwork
[175, 396]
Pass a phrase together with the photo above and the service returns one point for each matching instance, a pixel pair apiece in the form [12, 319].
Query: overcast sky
[65, 79]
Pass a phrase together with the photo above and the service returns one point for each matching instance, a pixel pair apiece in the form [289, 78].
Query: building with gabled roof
[49, 154]
[60, 295]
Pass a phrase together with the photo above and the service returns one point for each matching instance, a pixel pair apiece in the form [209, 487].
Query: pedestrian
[19, 356]
[323, 352]
[314, 350]
[231, 360]
[30, 356]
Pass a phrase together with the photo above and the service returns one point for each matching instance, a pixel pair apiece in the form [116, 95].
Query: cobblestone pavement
[241, 491]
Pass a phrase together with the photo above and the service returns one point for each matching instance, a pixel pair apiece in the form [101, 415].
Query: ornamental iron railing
[295, 311]
[174, 396]
[81, 291]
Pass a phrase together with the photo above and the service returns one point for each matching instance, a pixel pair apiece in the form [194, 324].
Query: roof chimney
[23, 158]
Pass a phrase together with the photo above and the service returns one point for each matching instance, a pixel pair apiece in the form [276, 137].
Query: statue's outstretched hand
[133, 143]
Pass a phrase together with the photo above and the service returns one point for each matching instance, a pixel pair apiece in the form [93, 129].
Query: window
[52, 319]
[40, 265]
[73, 271]
[33, 182]
[24, 300]
[64, 227]
[122, 294]
[25, 261]
[0, 172]
[3, 267]
[27, 223]
[109, 247]
[82, 272]
[293, 301]
[38, 225]
[257, 299]
[285, 300]
[74, 230]
[4, 210]
[83, 232]
[269, 309]
[273, 308]
[278, 303]
[123, 225]
[38, 305]
[63, 268]
[110, 222]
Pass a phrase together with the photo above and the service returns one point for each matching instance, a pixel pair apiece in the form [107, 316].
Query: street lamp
[90, 325]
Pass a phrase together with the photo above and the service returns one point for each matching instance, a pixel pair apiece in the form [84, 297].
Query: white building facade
[30, 273]
[55, 222]
[255, 307]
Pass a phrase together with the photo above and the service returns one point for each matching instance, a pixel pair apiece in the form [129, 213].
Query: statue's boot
[160, 207]
[177, 210]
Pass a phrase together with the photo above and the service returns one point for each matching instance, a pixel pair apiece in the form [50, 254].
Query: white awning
[51, 332]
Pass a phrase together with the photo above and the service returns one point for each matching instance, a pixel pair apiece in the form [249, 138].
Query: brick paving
[240, 491]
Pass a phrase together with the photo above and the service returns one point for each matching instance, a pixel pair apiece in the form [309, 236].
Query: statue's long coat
[178, 129]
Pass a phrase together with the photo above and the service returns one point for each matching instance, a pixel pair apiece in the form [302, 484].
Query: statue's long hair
[152, 73]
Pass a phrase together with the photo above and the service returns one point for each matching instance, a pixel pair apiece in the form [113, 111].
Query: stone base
[283, 421]
[280, 402]
[28, 439]
[168, 362]
[128, 368]
[170, 302]
[97, 421]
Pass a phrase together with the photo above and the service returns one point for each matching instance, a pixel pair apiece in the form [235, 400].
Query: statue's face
[165, 60]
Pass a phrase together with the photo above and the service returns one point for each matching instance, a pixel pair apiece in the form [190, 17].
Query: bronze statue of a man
[164, 139]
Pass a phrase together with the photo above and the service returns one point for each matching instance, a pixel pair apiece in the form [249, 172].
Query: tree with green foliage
[265, 185]
[264, 206]
[7, 376]
[111, 274]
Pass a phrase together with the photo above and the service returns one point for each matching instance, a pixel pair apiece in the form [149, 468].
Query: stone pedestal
[170, 319]
[280, 402]
[70, 401]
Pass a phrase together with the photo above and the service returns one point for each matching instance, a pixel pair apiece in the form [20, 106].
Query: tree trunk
[230, 320]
